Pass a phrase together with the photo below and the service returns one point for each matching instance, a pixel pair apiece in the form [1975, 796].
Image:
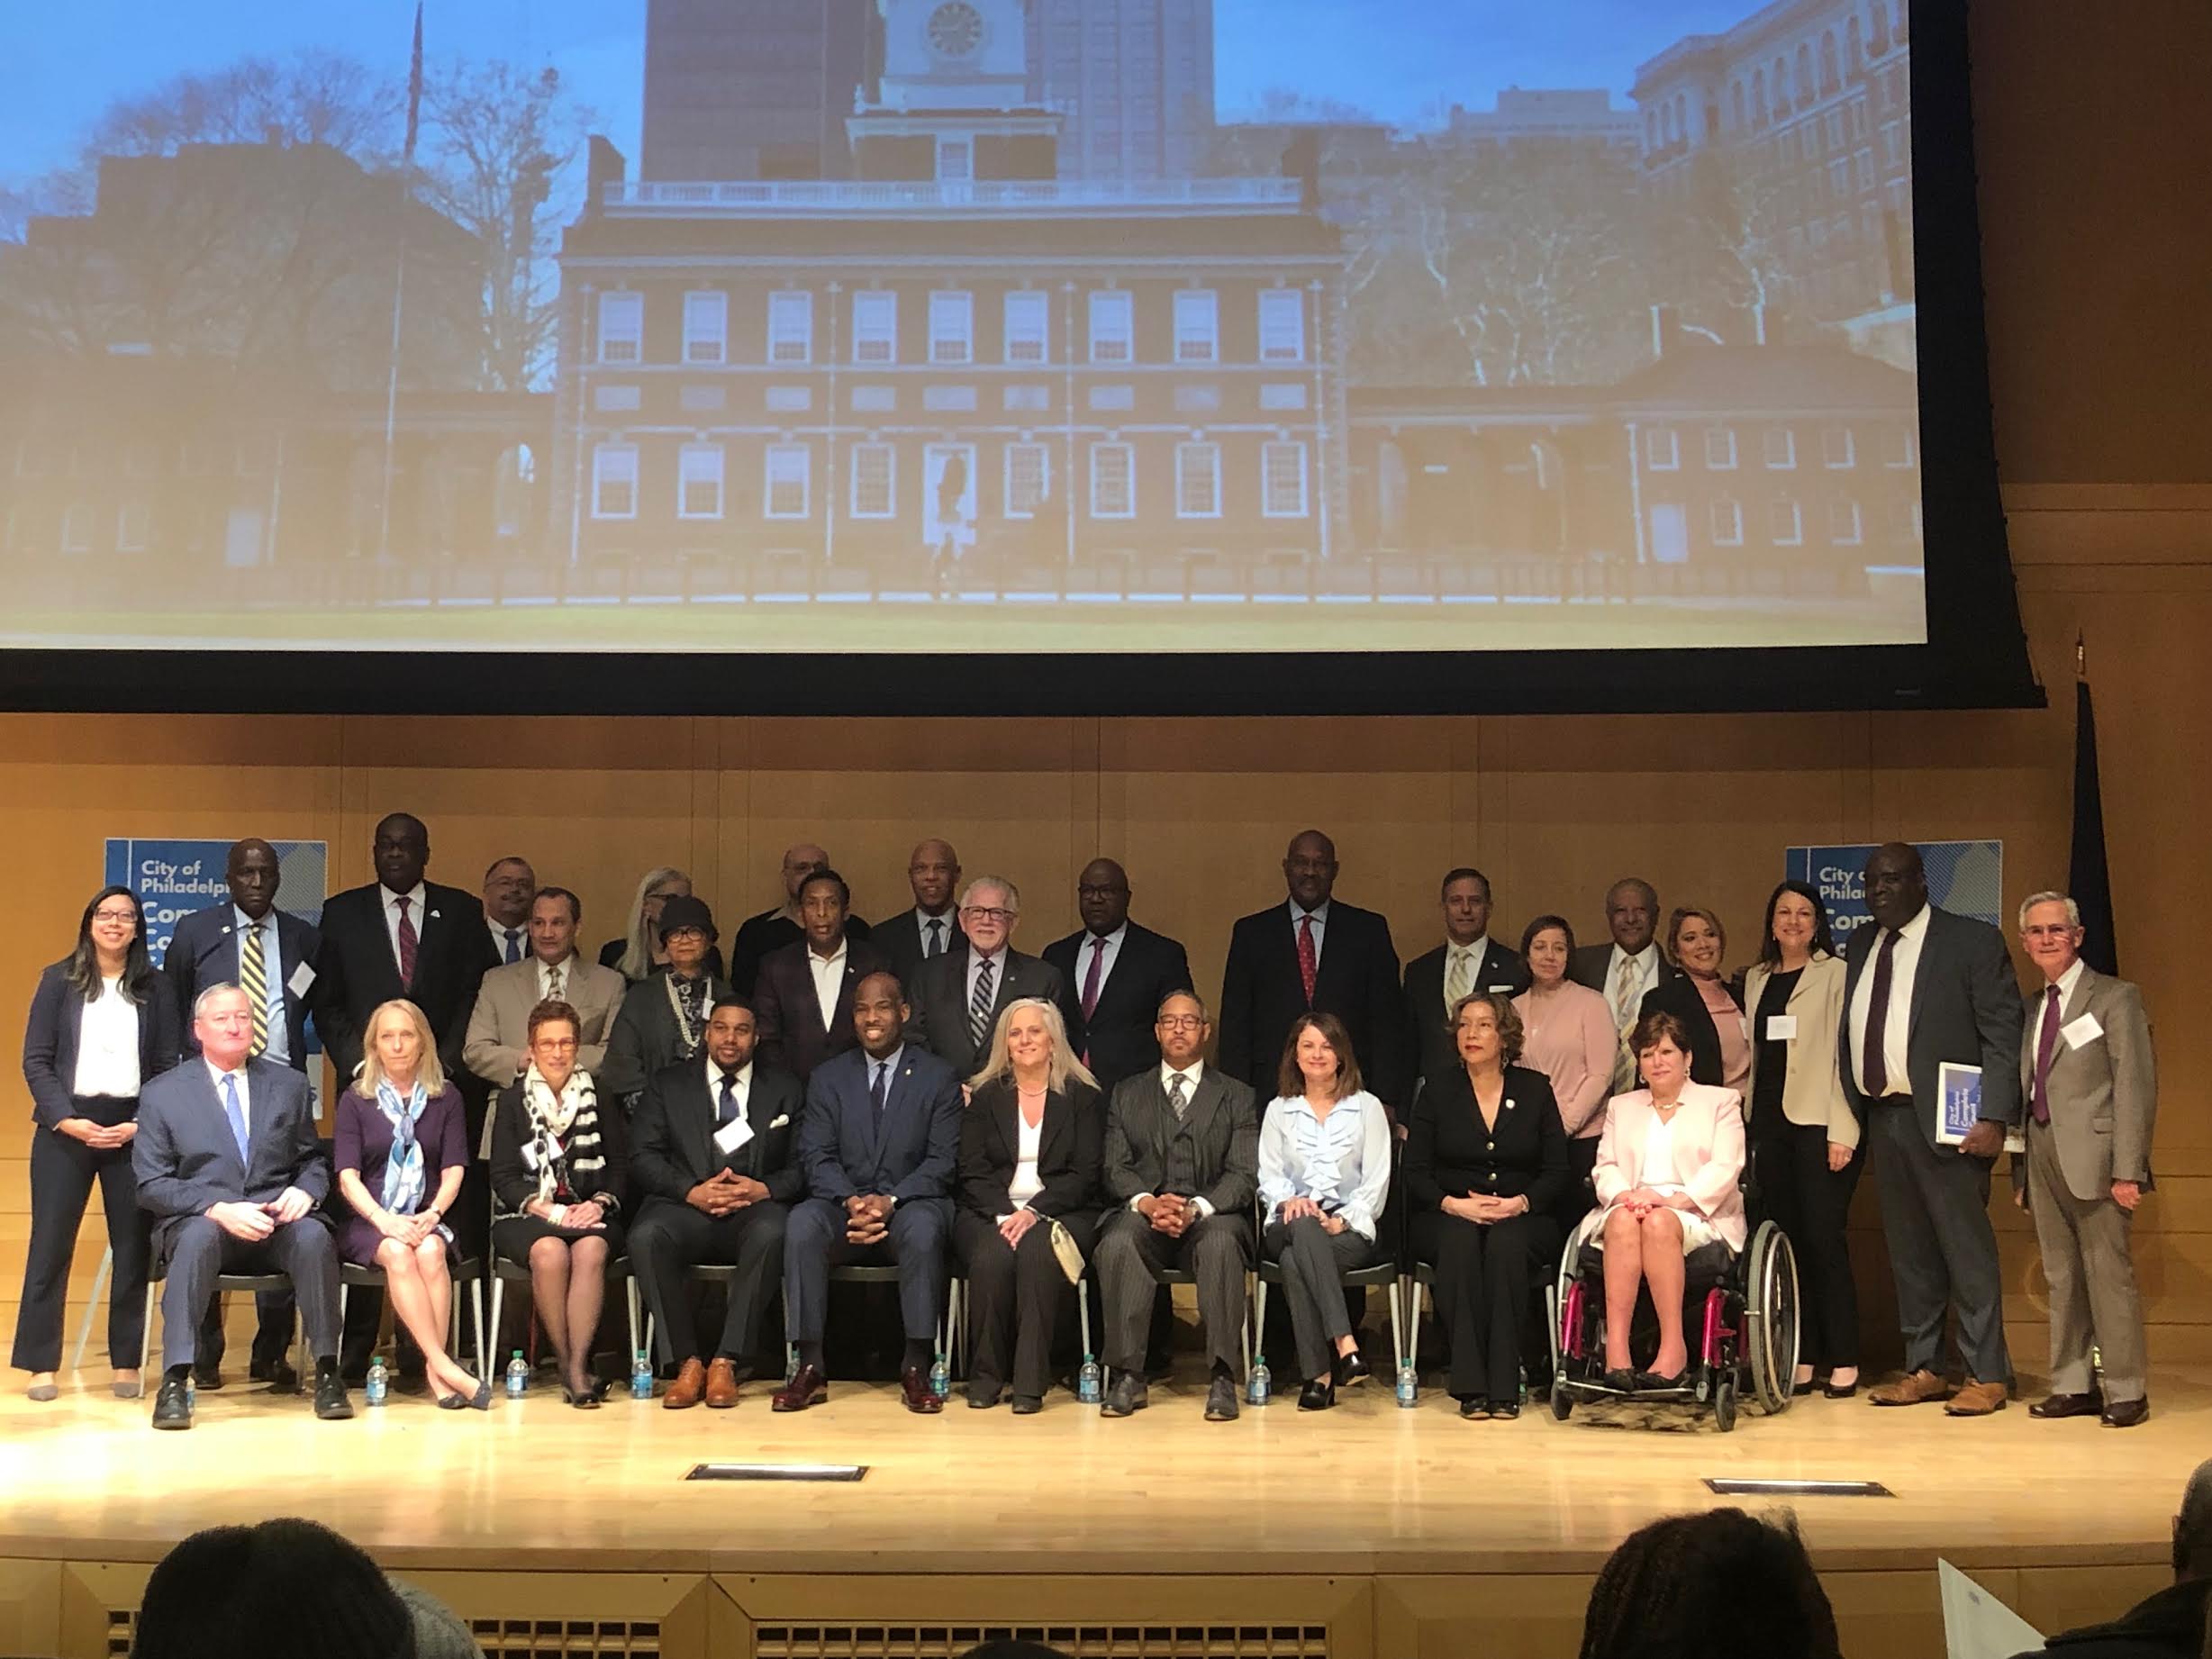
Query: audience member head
[222, 1025]
[1896, 884]
[1720, 1585]
[252, 876]
[1632, 913]
[1102, 896]
[825, 903]
[1309, 869]
[933, 872]
[554, 1026]
[2192, 1527]
[1030, 1041]
[111, 940]
[439, 1632]
[283, 1588]
[509, 885]
[686, 934]
[1487, 1028]
[732, 1031]
[401, 852]
[2051, 933]
[656, 887]
[1318, 1060]
[1547, 944]
[555, 915]
[1696, 941]
[799, 863]
[1661, 1044]
[397, 1047]
[1798, 920]
[990, 907]
[1465, 897]
[880, 1013]
[1182, 1027]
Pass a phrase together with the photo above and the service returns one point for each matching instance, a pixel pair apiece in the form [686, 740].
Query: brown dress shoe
[2126, 1413]
[808, 1387]
[914, 1390]
[1912, 1389]
[690, 1385]
[1976, 1400]
[721, 1385]
[2067, 1405]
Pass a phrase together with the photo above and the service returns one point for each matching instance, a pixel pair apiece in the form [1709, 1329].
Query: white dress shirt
[1106, 949]
[828, 981]
[1644, 966]
[570, 968]
[279, 1045]
[1028, 1137]
[1896, 1018]
[1319, 913]
[417, 912]
[107, 1046]
[215, 1074]
[499, 939]
[1191, 1076]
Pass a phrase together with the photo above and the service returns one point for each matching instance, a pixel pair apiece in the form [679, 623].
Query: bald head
[1896, 884]
[253, 876]
[933, 871]
[1310, 868]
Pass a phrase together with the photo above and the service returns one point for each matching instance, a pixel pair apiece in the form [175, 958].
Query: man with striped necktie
[956, 997]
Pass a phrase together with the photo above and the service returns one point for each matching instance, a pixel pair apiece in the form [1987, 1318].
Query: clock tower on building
[952, 105]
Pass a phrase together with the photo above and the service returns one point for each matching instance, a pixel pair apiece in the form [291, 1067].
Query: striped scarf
[563, 1133]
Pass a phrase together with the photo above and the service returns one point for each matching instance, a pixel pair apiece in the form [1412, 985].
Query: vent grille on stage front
[944, 1641]
[567, 1638]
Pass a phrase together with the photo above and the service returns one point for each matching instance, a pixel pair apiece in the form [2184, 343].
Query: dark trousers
[1484, 1295]
[1580, 1200]
[197, 1250]
[63, 1170]
[668, 1238]
[1314, 1263]
[814, 1243]
[1943, 1251]
[1013, 1297]
[274, 1313]
[1811, 1203]
[1217, 1252]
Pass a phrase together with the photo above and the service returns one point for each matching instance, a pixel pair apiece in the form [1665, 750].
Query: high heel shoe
[585, 1399]
[453, 1402]
[1349, 1370]
[1317, 1395]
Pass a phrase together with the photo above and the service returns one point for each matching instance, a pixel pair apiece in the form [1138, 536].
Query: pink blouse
[1734, 1043]
[1568, 1035]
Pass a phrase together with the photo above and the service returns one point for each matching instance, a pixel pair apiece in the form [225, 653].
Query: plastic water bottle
[378, 1387]
[1259, 1385]
[1409, 1384]
[641, 1377]
[517, 1376]
[1087, 1385]
[940, 1378]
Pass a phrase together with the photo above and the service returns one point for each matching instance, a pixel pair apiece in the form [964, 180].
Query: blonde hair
[1063, 1064]
[636, 959]
[428, 1072]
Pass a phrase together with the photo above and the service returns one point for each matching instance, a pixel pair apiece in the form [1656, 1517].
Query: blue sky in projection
[1395, 59]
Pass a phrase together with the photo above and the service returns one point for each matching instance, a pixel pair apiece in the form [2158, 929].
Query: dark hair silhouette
[1720, 1585]
[281, 1589]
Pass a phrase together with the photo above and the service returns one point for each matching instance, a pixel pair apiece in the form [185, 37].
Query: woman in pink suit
[1669, 1163]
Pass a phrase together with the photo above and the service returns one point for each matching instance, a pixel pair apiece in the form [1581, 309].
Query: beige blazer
[1812, 1089]
[1708, 1151]
[2103, 1095]
[499, 1027]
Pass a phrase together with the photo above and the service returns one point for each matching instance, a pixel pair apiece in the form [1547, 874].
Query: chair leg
[1259, 1315]
[484, 1356]
[1397, 1330]
[1244, 1330]
[84, 1323]
[1083, 1311]
[146, 1332]
[499, 1290]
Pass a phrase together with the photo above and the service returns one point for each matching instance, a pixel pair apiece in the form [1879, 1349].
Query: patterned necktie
[1873, 1064]
[979, 1005]
[1460, 980]
[1625, 976]
[1090, 980]
[1308, 959]
[728, 1112]
[234, 1112]
[2046, 1050]
[407, 943]
[514, 943]
[935, 947]
[1177, 1087]
[552, 983]
[253, 980]
[880, 1090]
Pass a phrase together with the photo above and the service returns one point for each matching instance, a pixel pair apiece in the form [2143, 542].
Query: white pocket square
[779, 1122]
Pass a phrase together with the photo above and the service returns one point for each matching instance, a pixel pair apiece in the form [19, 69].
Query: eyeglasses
[983, 913]
[1181, 1022]
[557, 1043]
[128, 918]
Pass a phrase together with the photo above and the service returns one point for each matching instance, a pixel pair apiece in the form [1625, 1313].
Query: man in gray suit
[229, 1167]
[1923, 987]
[1181, 1163]
[957, 997]
[2092, 1085]
[498, 1045]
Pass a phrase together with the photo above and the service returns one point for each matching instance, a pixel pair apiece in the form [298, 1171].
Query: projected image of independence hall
[973, 322]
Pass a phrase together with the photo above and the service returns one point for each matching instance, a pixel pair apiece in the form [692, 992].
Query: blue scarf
[403, 1173]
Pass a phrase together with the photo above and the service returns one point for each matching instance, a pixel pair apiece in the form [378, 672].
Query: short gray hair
[1013, 892]
[2192, 1527]
[2073, 911]
[220, 988]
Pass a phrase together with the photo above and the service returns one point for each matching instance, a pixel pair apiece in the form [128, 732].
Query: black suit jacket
[899, 941]
[360, 970]
[939, 1004]
[204, 952]
[50, 1038]
[672, 1144]
[789, 1014]
[515, 1183]
[645, 1038]
[1117, 1040]
[1070, 1147]
[758, 936]
[1222, 1120]
[1679, 996]
[1262, 995]
[1435, 1049]
[1449, 1153]
[911, 1151]
[1966, 1009]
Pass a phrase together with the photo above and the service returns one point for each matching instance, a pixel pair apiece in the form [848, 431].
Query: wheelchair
[1739, 1318]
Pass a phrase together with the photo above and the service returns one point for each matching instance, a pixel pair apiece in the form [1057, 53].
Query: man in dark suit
[1113, 975]
[713, 1170]
[1625, 969]
[773, 929]
[1181, 1166]
[1469, 960]
[958, 997]
[228, 1167]
[1923, 987]
[276, 956]
[1314, 954]
[663, 1019]
[879, 1144]
[930, 929]
[804, 996]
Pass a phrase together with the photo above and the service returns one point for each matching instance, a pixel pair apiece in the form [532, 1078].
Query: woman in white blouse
[1670, 1164]
[1325, 1173]
[103, 1021]
[1032, 1153]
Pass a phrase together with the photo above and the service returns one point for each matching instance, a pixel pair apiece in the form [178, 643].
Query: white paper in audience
[1976, 1624]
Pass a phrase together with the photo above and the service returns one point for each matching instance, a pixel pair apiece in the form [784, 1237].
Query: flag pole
[399, 286]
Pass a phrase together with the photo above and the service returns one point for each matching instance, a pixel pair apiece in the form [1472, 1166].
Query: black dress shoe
[1221, 1400]
[1622, 1381]
[1651, 1381]
[208, 1375]
[173, 1400]
[982, 1393]
[1318, 1396]
[281, 1378]
[331, 1402]
[1028, 1405]
[1505, 1411]
[1797, 1390]
[1474, 1410]
[2124, 1413]
[2068, 1405]
[1843, 1391]
[1125, 1393]
[1350, 1370]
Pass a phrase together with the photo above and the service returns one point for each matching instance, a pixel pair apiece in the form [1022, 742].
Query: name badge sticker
[2080, 1033]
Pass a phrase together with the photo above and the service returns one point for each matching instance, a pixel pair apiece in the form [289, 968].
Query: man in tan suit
[2092, 1087]
[498, 1045]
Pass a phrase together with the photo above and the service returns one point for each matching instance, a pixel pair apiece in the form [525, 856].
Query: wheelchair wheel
[1563, 1402]
[1771, 1317]
[1724, 1405]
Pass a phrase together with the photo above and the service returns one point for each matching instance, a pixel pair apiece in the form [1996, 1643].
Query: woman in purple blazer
[399, 1147]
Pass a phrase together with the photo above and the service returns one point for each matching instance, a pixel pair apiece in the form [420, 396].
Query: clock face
[955, 29]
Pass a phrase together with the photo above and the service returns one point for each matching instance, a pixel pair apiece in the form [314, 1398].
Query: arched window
[1735, 106]
[1782, 88]
[1854, 46]
[1758, 97]
[1831, 81]
[1804, 76]
[1651, 128]
[1878, 37]
[1681, 117]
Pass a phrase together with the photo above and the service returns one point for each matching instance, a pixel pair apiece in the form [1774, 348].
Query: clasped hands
[868, 1217]
[1641, 1201]
[254, 1222]
[1170, 1213]
[409, 1230]
[725, 1193]
[1482, 1207]
[99, 1137]
[1298, 1209]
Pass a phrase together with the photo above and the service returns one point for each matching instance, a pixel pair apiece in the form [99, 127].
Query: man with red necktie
[1114, 973]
